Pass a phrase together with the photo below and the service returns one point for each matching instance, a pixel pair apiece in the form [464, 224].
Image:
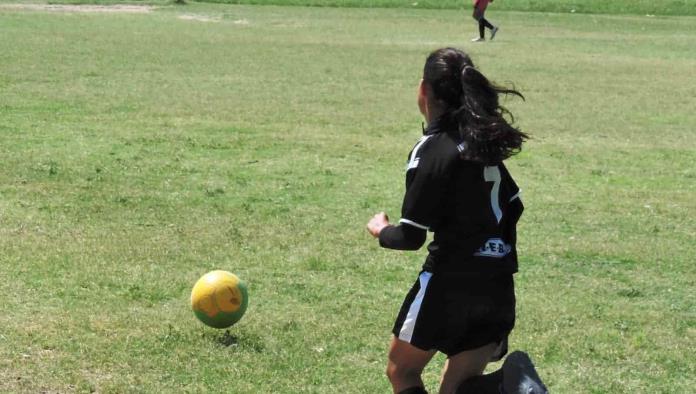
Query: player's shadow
[227, 339]
[244, 342]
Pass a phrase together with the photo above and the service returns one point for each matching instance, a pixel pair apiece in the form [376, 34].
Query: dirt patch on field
[199, 18]
[211, 19]
[124, 8]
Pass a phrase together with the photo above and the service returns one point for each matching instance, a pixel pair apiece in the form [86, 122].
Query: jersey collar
[435, 126]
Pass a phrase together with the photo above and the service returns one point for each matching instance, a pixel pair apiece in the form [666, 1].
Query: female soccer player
[479, 9]
[463, 303]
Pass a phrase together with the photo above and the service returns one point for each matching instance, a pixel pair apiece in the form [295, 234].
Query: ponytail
[471, 102]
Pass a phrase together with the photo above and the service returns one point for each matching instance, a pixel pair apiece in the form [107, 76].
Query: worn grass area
[636, 7]
[640, 7]
[141, 150]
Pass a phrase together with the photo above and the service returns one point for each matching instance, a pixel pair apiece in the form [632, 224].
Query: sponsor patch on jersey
[494, 247]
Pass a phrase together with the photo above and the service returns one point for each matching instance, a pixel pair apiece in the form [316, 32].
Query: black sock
[414, 390]
[482, 26]
[485, 23]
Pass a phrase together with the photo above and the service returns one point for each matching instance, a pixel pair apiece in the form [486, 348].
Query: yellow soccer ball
[219, 299]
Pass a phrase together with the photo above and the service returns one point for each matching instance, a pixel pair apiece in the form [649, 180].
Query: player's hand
[377, 223]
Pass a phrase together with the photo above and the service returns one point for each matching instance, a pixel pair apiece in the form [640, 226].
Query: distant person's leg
[483, 23]
[478, 15]
[479, 11]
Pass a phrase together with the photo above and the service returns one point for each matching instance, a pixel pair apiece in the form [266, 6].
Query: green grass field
[140, 151]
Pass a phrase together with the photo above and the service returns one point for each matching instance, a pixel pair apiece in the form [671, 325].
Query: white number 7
[492, 174]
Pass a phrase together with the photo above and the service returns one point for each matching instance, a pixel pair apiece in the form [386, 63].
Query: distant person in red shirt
[479, 9]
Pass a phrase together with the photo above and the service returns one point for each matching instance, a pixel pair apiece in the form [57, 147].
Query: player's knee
[391, 371]
[399, 373]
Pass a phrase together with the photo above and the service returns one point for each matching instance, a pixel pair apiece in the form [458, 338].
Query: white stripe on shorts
[410, 322]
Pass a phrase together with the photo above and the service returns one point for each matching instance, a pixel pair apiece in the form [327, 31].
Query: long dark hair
[470, 101]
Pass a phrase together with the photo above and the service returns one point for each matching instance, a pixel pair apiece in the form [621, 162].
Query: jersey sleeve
[427, 182]
[402, 237]
[512, 194]
[512, 198]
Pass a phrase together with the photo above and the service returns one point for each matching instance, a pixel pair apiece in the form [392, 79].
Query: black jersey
[472, 208]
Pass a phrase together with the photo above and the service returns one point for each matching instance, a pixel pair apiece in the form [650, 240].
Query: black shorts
[452, 313]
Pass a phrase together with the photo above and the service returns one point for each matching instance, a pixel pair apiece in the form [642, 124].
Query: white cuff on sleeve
[414, 224]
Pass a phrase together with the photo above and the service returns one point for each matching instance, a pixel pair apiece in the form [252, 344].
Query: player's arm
[422, 202]
[401, 237]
